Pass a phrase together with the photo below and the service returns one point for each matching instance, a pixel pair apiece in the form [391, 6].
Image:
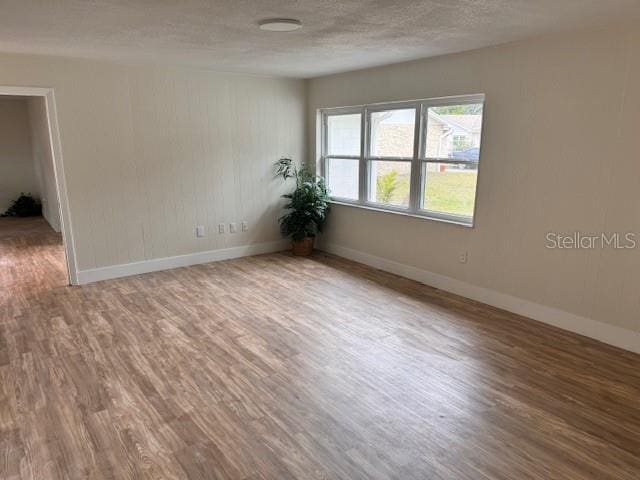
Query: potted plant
[306, 211]
[24, 206]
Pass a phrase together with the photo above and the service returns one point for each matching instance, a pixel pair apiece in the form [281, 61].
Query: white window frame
[417, 160]
[323, 170]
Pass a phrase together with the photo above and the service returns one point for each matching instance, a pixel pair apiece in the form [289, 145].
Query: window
[343, 144]
[419, 158]
[389, 182]
[391, 148]
[343, 134]
[342, 177]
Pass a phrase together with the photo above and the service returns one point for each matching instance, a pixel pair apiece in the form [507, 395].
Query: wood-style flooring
[277, 367]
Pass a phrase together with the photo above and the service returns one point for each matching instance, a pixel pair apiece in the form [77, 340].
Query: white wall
[151, 152]
[43, 160]
[17, 172]
[560, 153]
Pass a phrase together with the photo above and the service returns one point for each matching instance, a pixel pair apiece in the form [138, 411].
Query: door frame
[58, 168]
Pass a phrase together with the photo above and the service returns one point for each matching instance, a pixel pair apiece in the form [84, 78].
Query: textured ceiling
[338, 35]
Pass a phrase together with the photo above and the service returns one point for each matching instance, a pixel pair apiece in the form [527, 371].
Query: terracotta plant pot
[303, 247]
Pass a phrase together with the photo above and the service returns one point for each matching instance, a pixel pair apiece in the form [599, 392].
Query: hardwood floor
[276, 367]
[31, 258]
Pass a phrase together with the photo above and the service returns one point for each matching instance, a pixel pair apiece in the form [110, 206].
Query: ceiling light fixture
[280, 24]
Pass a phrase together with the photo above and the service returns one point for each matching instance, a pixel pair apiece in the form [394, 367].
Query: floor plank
[277, 367]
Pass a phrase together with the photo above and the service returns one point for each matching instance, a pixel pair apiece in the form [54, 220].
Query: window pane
[453, 131]
[450, 189]
[343, 134]
[389, 182]
[392, 133]
[342, 178]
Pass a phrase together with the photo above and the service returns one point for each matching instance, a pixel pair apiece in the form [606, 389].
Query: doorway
[36, 244]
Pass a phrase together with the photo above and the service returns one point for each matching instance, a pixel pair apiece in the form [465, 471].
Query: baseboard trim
[167, 263]
[610, 334]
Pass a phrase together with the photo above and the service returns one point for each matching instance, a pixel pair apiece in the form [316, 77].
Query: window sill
[443, 219]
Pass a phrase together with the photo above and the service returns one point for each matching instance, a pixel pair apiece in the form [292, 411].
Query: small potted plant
[306, 211]
[26, 205]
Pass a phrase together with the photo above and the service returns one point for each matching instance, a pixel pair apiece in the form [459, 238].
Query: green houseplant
[307, 207]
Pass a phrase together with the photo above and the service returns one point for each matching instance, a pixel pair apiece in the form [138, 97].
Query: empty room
[353, 239]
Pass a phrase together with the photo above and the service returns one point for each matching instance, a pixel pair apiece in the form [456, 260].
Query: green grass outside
[451, 192]
[446, 192]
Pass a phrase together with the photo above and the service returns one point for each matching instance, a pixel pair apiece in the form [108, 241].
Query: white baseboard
[610, 334]
[157, 264]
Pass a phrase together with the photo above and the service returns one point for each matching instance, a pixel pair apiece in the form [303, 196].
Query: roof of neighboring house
[470, 123]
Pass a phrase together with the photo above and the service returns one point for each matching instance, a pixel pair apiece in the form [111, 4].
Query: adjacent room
[319, 240]
[31, 254]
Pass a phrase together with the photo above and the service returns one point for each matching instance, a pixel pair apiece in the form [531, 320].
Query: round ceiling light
[280, 24]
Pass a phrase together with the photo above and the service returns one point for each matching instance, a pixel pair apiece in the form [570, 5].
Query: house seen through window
[417, 157]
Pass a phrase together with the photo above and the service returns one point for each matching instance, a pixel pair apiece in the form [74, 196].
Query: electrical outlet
[233, 228]
[245, 226]
[463, 257]
[221, 228]
[200, 231]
